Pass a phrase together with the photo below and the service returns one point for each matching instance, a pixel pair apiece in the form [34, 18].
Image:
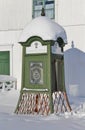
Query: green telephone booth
[42, 65]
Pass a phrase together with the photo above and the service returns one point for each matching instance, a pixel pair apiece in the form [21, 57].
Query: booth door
[4, 63]
[58, 83]
[59, 68]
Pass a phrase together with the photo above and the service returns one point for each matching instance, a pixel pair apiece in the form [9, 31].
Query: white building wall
[9, 42]
[71, 15]
[71, 12]
[16, 14]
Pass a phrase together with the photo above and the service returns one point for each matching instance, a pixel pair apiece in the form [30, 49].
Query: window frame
[44, 3]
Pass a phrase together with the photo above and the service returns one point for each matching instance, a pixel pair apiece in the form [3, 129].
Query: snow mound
[8, 100]
[44, 28]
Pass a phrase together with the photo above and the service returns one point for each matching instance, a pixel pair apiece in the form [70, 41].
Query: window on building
[48, 6]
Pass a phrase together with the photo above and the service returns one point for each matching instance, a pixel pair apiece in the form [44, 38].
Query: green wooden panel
[5, 62]
[36, 59]
[43, 59]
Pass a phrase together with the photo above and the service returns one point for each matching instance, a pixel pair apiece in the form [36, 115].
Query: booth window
[48, 5]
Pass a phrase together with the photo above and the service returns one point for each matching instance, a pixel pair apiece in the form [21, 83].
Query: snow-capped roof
[44, 28]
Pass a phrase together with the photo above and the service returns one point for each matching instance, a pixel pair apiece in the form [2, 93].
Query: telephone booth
[42, 41]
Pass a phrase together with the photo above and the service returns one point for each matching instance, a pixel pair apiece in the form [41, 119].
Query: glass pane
[49, 2]
[38, 7]
[49, 13]
[49, 7]
[37, 13]
[37, 2]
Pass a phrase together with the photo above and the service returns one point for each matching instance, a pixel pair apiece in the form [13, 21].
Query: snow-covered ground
[74, 120]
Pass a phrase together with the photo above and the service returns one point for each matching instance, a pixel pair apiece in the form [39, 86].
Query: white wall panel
[70, 12]
[14, 14]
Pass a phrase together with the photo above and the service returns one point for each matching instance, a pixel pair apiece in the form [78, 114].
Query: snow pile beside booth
[8, 100]
[75, 72]
[74, 120]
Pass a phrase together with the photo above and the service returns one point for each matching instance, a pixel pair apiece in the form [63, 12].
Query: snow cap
[44, 28]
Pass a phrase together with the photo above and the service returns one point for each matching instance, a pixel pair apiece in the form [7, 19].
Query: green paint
[47, 60]
[5, 62]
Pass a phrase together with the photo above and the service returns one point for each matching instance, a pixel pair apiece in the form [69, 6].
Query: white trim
[6, 44]
[36, 47]
[43, 90]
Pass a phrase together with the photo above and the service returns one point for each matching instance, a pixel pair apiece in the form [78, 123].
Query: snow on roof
[44, 28]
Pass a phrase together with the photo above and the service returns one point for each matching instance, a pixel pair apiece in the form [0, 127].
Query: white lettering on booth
[36, 47]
